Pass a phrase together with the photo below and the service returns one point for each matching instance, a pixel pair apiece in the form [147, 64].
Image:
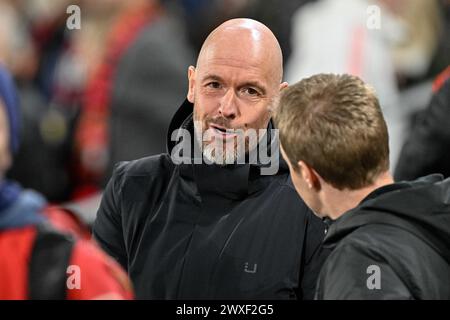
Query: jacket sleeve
[352, 272]
[314, 256]
[107, 229]
[426, 149]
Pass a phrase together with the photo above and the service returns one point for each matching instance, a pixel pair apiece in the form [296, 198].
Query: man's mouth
[222, 131]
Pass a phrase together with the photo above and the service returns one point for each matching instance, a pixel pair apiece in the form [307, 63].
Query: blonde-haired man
[388, 240]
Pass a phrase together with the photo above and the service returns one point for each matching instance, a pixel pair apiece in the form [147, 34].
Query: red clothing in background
[100, 276]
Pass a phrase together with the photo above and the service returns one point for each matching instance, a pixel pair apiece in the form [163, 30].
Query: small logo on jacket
[248, 270]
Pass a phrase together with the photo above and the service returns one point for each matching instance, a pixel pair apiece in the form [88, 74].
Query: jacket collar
[421, 207]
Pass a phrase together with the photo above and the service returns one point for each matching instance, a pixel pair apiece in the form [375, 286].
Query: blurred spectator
[420, 23]
[202, 16]
[427, 149]
[331, 36]
[278, 17]
[49, 92]
[442, 56]
[128, 99]
[16, 47]
[102, 91]
[34, 257]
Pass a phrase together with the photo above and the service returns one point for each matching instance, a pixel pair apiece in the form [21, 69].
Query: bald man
[210, 226]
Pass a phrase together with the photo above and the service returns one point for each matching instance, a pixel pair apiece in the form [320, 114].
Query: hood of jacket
[421, 207]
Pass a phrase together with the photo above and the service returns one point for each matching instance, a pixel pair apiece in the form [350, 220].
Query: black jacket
[207, 232]
[427, 149]
[403, 230]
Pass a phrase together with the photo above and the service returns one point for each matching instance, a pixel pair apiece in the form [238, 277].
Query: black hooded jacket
[399, 234]
[208, 232]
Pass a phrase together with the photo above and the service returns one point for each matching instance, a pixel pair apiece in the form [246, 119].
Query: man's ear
[191, 78]
[310, 175]
[283, 85]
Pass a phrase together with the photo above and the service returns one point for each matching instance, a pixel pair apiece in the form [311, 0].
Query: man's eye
[213, 85]
[251, 91]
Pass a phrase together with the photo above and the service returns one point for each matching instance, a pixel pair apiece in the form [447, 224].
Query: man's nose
[228, 108]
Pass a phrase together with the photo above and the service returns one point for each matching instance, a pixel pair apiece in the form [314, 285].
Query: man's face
[309, 195]
[231, 89]
[5, 153]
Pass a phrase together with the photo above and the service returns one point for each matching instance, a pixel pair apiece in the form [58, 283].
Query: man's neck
[337, 202]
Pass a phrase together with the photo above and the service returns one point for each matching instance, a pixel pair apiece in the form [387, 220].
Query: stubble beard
[227, 151]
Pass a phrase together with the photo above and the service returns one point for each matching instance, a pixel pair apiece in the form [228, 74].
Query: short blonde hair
[334, 124]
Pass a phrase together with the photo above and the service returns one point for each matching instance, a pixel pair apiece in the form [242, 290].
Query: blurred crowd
[104, 93]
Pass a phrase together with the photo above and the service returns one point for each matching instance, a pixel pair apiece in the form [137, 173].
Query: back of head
[334, 124]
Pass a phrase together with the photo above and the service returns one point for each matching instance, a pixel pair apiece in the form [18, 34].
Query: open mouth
[223, 131]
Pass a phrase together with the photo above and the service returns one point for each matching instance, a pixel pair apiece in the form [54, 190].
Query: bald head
[235, 85]
[244, 40]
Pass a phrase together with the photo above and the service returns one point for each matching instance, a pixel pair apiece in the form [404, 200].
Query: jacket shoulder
[132, 179]
[383, 242]
[403, 257]
[354, 269]
[147, 166]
